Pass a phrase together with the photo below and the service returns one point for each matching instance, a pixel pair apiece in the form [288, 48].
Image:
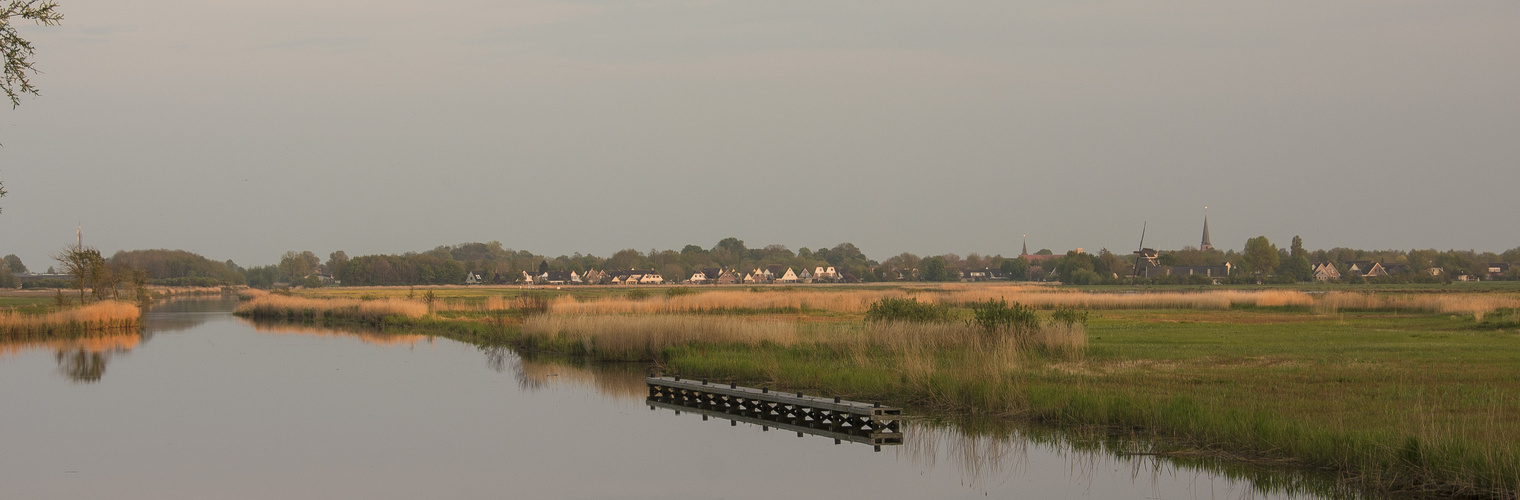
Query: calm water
[204, 405]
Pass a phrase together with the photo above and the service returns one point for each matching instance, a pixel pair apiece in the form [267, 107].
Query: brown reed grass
[832, 300]
[286, 307]
[93, 317]
[1450, 303]
[643, 337]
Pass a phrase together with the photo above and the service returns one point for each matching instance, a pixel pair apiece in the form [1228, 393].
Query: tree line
[1259, 261]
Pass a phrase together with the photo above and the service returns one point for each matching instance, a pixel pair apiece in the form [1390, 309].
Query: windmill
[1143, 253]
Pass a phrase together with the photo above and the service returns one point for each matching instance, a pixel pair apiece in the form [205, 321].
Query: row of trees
[1260, 260]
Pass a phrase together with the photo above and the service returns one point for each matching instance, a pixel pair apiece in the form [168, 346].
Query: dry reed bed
[643, 337]
[98, 316]
[1465, 303]
[843, 301]
[283, 307]
[916, 346]
[855, 301]
[859, 300]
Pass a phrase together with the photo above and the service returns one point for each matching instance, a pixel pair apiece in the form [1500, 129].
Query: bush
[637, 294]
[1069, 317]
[892, 309]
[996, 315]
[679, 291]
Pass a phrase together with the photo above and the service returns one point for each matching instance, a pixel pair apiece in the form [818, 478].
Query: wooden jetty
[867, 423]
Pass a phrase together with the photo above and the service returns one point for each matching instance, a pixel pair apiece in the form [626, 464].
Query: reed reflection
[988, 454]
[617, 380]
[180, 314]
[366, 335]
[81, 359]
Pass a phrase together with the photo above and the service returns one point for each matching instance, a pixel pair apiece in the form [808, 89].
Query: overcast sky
[243, 129]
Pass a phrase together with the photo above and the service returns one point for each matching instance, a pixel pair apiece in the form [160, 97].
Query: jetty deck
[869, 423]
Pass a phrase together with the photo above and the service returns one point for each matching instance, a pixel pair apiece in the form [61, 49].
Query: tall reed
[1477, 305]
[97, 316]
[644, 337]
[287, 308]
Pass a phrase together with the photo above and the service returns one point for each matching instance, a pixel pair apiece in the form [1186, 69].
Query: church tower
[1025, 251]
[1206, 244]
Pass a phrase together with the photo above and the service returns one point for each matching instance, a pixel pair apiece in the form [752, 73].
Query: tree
[17, 50]
[1260, 256]
[80, 262]
[1016, 269]
[1298, 248]
[336, 263]
[934, 269]
[1298, 268]
[14, 263]
[294, 266]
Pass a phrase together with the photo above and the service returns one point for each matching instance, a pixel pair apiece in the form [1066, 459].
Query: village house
[698, 278]
[983, 274]
[1497, 270]
[787, 276]
[1326, 271]
[594, 277]
[560, 277]
[1366, 268]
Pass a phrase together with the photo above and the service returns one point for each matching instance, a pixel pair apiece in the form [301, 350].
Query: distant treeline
[493, 263]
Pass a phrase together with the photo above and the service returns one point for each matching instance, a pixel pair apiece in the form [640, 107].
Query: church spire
[1025, 251]
[1206, 244]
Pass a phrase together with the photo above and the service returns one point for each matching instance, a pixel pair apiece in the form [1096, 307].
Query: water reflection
[179, 314]
[988, 454]
[367, 335]
[621, 381]
[985, 456]
[82, 358]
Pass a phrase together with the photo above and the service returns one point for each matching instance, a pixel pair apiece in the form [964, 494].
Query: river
[201, 404]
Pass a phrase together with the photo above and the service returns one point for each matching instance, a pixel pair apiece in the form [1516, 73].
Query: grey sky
[243, 129]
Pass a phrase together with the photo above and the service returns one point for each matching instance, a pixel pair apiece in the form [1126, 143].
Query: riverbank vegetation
[271, 306]
[99, 316]
[1413, 391]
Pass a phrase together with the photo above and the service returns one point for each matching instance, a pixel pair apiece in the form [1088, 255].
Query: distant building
[1326, 271]
[1366, 268]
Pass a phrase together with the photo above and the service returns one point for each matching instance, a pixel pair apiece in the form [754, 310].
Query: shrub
[996, 315]
[1069, 317]
[637, 294]
[679, 291]
[894, 309]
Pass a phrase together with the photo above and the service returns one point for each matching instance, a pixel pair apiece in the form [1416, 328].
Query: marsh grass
[291, 308]
[644, 337]
[107, 315]
[1476, 305]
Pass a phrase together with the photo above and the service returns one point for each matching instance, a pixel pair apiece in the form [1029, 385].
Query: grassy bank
[1414, 391]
